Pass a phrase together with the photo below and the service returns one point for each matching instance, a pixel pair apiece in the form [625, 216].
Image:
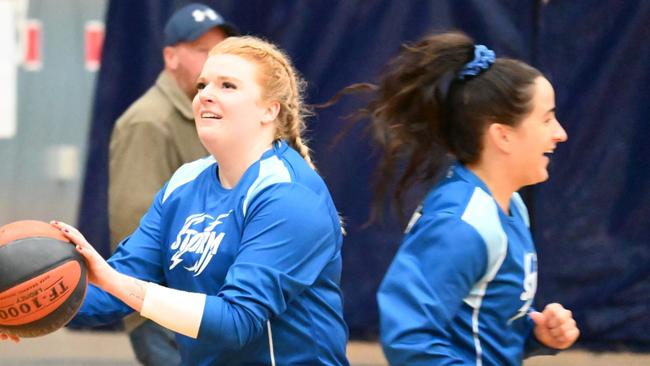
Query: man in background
[153, 138]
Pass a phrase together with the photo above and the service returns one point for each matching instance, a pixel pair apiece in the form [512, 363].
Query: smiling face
[536, 137]
[230, 115]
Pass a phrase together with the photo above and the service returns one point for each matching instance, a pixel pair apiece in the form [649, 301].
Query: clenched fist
[555, 326]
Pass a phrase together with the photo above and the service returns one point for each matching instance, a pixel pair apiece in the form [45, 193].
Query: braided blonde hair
[280, 81]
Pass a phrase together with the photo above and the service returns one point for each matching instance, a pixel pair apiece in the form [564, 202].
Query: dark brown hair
[422, 114]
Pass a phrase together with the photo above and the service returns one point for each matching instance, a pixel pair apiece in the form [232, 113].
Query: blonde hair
[280, 81]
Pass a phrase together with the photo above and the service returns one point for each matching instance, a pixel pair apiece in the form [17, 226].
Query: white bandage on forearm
[177, 310]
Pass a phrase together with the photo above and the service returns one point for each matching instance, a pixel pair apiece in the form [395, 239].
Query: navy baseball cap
[192, 21]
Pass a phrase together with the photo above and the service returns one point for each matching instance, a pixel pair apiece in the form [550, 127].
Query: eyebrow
[218, 78]
[552, 110]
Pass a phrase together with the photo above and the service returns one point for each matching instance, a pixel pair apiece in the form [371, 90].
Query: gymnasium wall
[47, 78]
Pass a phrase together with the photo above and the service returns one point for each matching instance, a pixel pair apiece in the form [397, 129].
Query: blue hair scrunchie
[483, 59]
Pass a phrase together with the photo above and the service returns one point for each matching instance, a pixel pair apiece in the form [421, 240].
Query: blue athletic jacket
[461, 285]
[266, 252]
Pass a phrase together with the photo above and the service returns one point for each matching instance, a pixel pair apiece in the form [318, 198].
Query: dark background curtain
[590, 218]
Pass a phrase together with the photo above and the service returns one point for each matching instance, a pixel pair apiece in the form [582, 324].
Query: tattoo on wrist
[139, 297]
[138, 294]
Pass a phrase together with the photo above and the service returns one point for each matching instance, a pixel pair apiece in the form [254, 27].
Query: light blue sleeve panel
[289, 237]
[138, 256]
[424, 288]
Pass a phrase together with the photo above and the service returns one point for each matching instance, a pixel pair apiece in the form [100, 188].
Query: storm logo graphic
[205, 242]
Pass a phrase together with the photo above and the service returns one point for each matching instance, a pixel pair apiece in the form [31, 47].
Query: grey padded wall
[40, 167]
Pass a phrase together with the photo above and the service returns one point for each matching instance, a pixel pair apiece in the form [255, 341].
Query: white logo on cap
[200, 15]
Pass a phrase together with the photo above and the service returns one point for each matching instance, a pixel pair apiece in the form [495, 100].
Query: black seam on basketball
[42, 253]
[27, 276]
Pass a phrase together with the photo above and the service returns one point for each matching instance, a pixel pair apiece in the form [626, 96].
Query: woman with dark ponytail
[460, 289]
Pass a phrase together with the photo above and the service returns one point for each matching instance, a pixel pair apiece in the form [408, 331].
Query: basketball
[43, 279]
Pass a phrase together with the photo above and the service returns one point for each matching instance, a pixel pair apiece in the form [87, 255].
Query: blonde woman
[240, 253]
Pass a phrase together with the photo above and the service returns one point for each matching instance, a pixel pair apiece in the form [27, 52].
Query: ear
[271, 112]
[501, 136]
[170, 57]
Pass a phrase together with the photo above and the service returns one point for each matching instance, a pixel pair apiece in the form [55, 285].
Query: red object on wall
[33, 60]
[94, 42]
